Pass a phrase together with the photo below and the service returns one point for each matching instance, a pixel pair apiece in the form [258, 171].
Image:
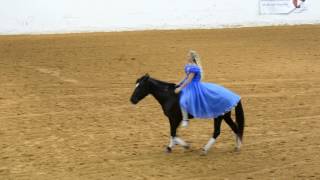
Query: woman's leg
[185, 120]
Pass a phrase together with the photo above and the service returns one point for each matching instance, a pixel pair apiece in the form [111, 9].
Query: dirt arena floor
[65, 110]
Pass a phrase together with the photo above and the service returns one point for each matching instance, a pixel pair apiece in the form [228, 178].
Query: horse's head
[142, 89]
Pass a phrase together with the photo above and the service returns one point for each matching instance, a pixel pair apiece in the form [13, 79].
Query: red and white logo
[297, 3]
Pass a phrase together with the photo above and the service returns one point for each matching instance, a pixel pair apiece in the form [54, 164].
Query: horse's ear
[147, 75]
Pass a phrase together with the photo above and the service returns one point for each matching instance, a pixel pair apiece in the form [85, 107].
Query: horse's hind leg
[227, 118]
[216, 133]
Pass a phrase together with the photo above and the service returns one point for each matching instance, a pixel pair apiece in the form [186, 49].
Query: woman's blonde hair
[196, 58]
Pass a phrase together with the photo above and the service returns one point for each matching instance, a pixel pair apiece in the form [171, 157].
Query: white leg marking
[172, 143]
[180, 141]
[209, 144]
[238, 143]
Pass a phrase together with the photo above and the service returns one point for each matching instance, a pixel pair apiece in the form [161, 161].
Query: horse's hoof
[237, 149]
[168, 150]
[203, 152]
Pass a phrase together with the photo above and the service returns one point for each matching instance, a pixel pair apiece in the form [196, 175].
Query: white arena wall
[64, 16]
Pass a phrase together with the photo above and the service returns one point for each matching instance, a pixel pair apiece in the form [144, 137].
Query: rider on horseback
[200, 99]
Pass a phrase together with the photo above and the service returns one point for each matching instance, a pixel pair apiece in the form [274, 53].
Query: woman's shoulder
[192, 68]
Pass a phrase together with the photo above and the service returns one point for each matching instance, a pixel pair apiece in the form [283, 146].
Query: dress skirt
[207, 100]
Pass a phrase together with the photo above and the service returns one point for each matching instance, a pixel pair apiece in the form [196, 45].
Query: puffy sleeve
[193, 69]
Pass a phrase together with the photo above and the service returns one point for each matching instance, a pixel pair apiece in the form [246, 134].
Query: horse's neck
[159, 93]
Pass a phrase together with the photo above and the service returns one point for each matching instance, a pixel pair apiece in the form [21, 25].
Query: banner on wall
[282, 6]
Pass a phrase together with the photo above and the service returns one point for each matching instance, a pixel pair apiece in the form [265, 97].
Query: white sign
[282, 6]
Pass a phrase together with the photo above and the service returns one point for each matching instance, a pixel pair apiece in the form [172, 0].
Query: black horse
[163, 92]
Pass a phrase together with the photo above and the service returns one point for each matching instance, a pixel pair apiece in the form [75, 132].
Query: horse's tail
[240, 119]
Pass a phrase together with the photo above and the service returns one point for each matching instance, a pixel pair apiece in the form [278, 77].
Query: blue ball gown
[206, 100]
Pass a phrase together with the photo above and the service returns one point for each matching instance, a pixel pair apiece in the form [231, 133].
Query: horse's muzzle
[134, 100]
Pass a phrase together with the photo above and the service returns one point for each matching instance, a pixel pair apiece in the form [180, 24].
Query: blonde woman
[201, 99]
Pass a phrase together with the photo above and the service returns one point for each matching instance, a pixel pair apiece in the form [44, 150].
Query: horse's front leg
[174, 140]
[216, 133]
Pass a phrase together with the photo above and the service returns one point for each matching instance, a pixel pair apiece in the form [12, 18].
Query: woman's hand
[185, 83]
[177, 90]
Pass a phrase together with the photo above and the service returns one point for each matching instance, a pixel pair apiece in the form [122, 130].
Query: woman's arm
[185, 83]
[180, 82]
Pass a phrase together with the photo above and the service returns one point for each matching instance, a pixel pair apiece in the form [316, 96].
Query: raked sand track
[65, 111]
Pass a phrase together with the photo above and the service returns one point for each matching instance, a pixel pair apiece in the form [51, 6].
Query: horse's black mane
[162, 84]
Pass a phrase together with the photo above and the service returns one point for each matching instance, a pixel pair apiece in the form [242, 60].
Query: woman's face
[189, 58]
